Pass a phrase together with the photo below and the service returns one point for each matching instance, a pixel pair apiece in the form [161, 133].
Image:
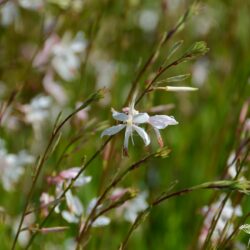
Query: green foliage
[121, 54]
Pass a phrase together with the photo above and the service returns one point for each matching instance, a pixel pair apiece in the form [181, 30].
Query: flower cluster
[74, 211]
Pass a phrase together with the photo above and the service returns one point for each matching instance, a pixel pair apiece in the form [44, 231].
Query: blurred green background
[121, 36]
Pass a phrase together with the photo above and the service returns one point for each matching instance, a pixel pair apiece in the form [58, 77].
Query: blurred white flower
[148, 20]
[36, 113]
[173, 6]
[205, 21]
[9, 13]
[228, 213]
[66, 55]
[45, 200]
[38, 109]
[130, 122]
[43, 56]
[32, 4]
[63, 54]
[247, 125]
[101, 220]
[76, 211]
[105, 72]
[117, 194]
[75, 208]
[135, 206]
[76, 5]
[12, 166]
[25, 235]
[231, 162]
[54, 88]
[200, 72]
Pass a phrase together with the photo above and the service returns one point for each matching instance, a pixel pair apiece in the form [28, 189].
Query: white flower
[76, 5]
[75, 211]
[101, 220]
[75, 208]
[54, 88]
[12, 166]
[227, 214]
[133, 207]
[64, 55]
[131, 118]
[31, 4]
[148, 20]
[43, 56]
[161, 122]
[66, 60]
[9, 13]
[130, 122]
[45, 200]
[200, 72]
[24, 235]
[105, 72]
[37, 110]
[231, 162]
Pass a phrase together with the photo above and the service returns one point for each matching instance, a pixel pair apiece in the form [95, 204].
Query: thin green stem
[165, 38]
[224, 184]
[117, 180]
[44, 158]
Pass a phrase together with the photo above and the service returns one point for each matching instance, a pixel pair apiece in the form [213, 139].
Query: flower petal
[69, 217]
[141, 118]
[162, 121]
[73, 203]
[101, 221]
[113, 130]
[70, 173]
[142, 133]
[119, 116]
[128, 133]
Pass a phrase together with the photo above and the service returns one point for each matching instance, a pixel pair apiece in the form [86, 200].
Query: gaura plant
[131, 118]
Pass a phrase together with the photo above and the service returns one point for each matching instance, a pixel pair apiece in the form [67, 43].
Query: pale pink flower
[68, 175]
[43, 56]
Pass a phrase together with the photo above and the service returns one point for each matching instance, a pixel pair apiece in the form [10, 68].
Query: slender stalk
[154, 55]
[216, 217]
[214, 222]
[158, 74]
[226, 241]
[27, 69]
[224, 184]
[44, 157]
[117, 180]
[70, 185]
